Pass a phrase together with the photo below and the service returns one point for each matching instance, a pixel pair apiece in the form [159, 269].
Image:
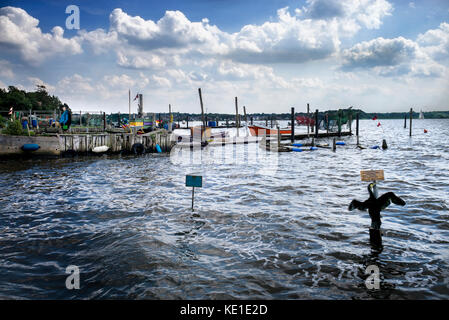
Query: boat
[421, 115]
[260, 131]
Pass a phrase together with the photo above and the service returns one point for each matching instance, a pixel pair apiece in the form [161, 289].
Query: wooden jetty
[70, 143]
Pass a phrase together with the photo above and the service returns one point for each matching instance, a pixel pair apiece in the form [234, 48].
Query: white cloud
[21, 36]
[391, 57]
[412, 5]
[436, 41]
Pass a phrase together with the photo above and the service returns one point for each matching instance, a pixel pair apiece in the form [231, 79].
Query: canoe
[259, 131]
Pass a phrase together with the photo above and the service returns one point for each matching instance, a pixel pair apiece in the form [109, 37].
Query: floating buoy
[297, 150]
[425, 131]
[30, 147]
[313, 148]
[297, 145]
[340, 143]
[375, 147]
[158, 148]
[100, 149]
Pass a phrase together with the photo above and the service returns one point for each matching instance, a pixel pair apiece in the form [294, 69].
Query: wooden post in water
[202, 109]
[119, 120]
[271, 123]
[266, 122]
[293, 125]
[405, 121]
[237, 125]
[251, 120]
[308, 120]
[227, 123]
[357, 127]
[316, 123]
[170, 121]
[244, 112]
[81, 119]
[104, 121]
[187, 122]
[339, 123]
[411, 117]
[334, 145]
[279, 135]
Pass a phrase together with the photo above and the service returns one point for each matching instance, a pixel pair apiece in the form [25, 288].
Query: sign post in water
[194, 181]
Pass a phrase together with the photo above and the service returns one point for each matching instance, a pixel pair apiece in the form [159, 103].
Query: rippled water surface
[126, 222]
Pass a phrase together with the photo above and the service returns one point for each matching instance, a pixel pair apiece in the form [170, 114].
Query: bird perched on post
[375, 204]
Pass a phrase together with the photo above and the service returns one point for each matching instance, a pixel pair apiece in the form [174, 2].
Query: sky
[376, 55]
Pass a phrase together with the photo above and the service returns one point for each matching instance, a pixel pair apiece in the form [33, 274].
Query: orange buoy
[425, 131]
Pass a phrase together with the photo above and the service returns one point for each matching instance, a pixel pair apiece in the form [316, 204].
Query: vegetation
[22, 100]
[14, 128]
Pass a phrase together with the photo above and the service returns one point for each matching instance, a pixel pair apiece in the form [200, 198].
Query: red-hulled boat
[260, 131]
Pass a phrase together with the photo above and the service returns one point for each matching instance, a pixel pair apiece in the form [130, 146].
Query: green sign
[194, 181]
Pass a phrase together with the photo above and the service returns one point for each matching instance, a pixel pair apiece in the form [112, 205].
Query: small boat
[260, 131]
[421, 115]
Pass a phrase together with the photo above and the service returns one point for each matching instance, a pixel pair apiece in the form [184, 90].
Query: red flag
[378, 124]
[136, 97]
[375, 117]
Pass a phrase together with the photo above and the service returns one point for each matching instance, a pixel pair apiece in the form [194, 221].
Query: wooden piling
[187, 122]
[202, 108]
[334, 145]
[411, 117]
[405, 121]
[251, 120]
[308, 125]
[104, 121]
[316, 123]
[271, 124]
[357, 127]
[293, 124]
[266, 122]
[244, 112]
[339, 123]
[237, 125]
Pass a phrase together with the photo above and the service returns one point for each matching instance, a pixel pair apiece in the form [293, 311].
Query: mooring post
[202, 109]
[187, 122]
[279, 136]
[119, 122]
[237, 116]
[339, 123]
[316, 123]
[357, 127]
[104, 121]
[411, 117]
[266, 122]
[251, 120]
[405, 120]
[308, 120]
[293, 125]
[271, 121]
[244, 112]
[227, 123]
[334, 145]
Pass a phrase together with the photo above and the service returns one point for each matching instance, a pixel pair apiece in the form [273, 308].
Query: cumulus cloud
[21, 36]
[6, 69]
[391, 57]
[436, 41]
[311, 33]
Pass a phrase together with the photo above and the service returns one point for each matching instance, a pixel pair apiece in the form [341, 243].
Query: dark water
[126, 223]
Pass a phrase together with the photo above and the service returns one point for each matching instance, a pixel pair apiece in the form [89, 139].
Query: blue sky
[377, 55]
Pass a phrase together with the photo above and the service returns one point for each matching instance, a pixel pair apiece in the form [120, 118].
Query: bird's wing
[355, 204]
[386, 199]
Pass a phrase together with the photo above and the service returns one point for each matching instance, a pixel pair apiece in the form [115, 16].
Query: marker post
[194, 181]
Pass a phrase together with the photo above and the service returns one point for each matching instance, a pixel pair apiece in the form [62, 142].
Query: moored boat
[260, 131]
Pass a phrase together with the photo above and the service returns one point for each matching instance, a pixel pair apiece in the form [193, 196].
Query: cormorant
[375, 205]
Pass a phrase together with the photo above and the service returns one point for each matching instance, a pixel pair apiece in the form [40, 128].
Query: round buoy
[425, 131]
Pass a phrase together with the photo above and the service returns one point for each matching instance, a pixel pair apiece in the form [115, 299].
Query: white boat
[421, 115]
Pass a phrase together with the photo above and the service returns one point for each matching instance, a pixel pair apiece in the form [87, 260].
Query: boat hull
[260, 131]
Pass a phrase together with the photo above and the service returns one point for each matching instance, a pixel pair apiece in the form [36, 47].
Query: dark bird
[375, 205]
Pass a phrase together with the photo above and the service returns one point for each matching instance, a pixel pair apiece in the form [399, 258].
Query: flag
[378, 124]
[136, 97]
[375, 117]
[10, 111]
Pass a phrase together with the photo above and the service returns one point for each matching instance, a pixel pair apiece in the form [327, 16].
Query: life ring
[138, 148]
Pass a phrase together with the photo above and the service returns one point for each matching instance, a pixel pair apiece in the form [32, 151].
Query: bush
[13, 128]
[2, 122]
